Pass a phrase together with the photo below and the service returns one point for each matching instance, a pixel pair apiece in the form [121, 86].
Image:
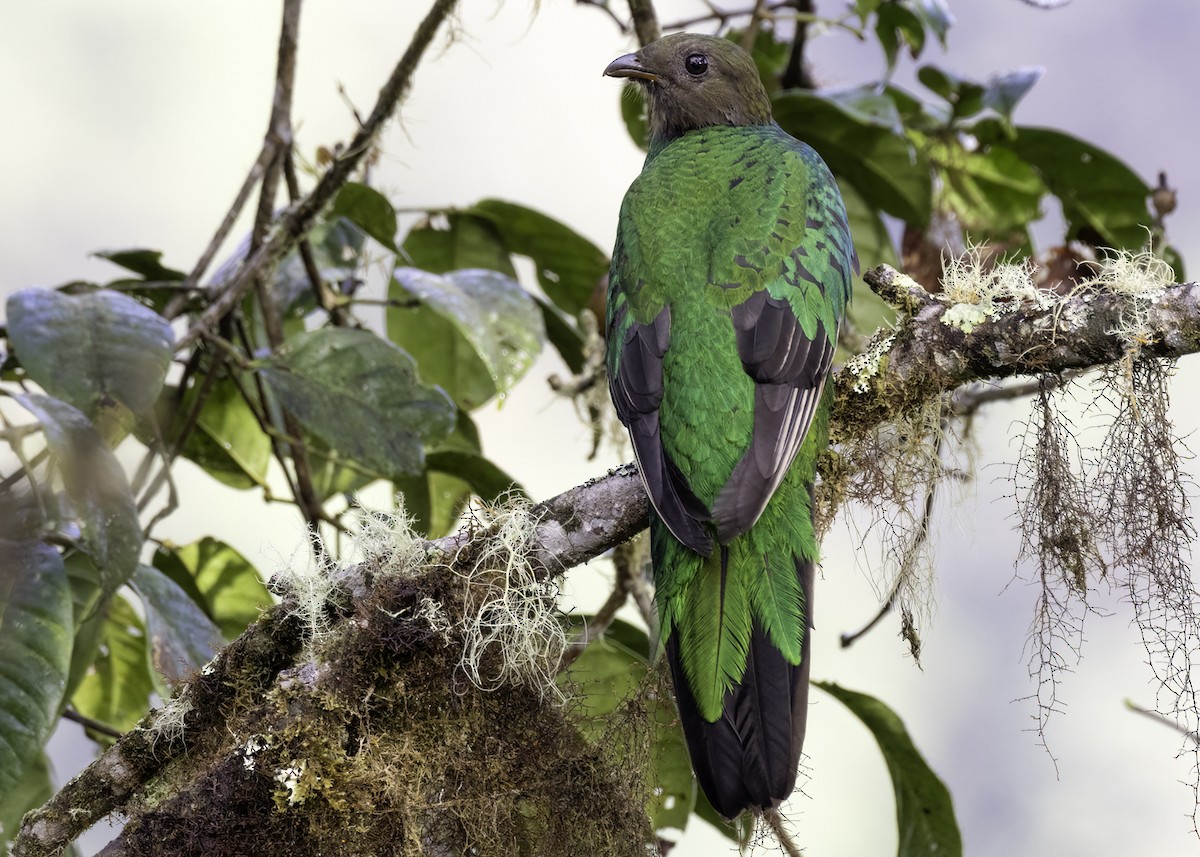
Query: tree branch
[923, 358]
[301, 217]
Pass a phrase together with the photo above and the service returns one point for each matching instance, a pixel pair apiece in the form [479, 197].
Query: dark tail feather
[749, 757]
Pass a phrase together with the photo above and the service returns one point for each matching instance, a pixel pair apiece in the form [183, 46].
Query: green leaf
[605, 676]
[882, 166]
[454, 471]
[1099, 193]
[32, 790]
[1004, 90]
[181, 637]
[96, 486]
[568, 265]
[924, 810]
[368, 209]
[992, 191]
[444, 355]
[91, 350]
[147, 264]
[228, 441]
[868, 311]
[497, 319]
[360, 394]
[455, 241]
[935, 15]
[116, 691]
[337, 252]
[895, 21]
[563, 334]
[219, 579]
[36, 632]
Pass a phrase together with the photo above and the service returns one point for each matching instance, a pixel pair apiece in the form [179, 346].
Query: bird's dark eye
[696, 64]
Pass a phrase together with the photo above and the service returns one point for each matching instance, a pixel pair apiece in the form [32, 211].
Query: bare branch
[300, 218]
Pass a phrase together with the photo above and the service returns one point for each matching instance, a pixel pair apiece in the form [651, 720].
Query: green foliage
[617, 689]
[361, 395]
[35, 654]
[335, 406]
[116, 690]
[924, 811]
[219, 580]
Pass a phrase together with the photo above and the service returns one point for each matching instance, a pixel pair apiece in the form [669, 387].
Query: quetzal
[729, 281]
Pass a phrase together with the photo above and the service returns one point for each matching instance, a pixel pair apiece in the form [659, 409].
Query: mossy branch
[922, 358]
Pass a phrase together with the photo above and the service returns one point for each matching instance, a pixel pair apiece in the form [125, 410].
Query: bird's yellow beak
[629, 66]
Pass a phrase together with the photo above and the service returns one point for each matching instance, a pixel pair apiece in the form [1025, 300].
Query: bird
[730, 277]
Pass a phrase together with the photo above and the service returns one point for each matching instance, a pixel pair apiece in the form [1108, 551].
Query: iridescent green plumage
[730, 276]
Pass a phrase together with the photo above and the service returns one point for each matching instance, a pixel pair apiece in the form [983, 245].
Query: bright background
[130, 124]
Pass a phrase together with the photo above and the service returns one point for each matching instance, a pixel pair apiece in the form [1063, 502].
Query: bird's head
[693, 81]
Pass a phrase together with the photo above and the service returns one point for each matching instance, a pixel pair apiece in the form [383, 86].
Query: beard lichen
[380, 738]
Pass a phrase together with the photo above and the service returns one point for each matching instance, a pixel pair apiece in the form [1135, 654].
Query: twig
[751, 34]
[300, 218]
[1166, 721]
[795, 75]
[645, 21]
[88, 723]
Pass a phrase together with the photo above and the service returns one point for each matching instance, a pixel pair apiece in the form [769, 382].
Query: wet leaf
[36, 633]
[490, 312]
[180, 635]
[360, 394]
[117, 690]
[93, 350]
[218, 579]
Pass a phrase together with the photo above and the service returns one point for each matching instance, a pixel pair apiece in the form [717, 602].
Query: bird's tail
[749, 756]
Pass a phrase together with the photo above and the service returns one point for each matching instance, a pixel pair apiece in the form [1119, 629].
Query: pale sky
[132, 124]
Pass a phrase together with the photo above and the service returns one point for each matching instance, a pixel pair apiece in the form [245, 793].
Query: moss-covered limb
[928, 355]
[144, 752]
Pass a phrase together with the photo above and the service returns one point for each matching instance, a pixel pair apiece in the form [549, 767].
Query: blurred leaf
[147, 264]
[1175, 260]
[336, 245]
[894, 22]
[91, 350]
[993, 191]
[455, 470]
[966, 97]
[464, 241]
[568, 265]
[566, 338]
[935, 16]
[605, 677]
[368, 209]
[1004, 90]
[1097, 191]
[882, 166]
[219, 579]
[868, 311]
[332, 473]
[32, 790]
[96, 486]
[489, 311]
[633, 112]
[117, 690]
[36, 632]
[924, 810]
[228, 442]
[868, 105]
[181, 636]
[360, 394]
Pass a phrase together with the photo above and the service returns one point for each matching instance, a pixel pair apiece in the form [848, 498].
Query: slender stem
[88, 723]
[645, 21]
[300, 218]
